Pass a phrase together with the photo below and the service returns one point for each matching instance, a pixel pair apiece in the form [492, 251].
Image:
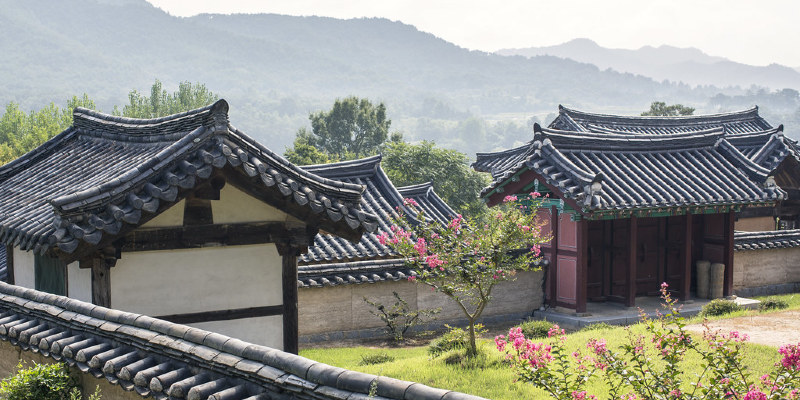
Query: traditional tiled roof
[370, 271]
[766, 239]
[3, 268]
[106, 174]
[746, 130]
[431, 204]
[603, 171]
[732, 123]
[162, 360]
[382, 199]
[766, 148]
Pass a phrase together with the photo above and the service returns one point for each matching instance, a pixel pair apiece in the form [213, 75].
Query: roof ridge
[366, 166]
[80, 112]
[589, 141]
[420, 188]
[682, 119]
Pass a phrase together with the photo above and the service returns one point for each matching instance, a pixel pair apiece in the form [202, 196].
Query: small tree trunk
[473, 349]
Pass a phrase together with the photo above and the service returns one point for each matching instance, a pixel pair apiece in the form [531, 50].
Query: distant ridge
[688, 65]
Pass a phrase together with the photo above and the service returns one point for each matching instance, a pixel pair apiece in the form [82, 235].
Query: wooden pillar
[727, 255]
[10, 264]
[582, 264]
[686, 282]
[553, 268]
[291, 329]
[100, 266]
[633, 258]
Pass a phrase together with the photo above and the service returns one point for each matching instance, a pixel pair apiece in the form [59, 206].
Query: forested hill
[274, 69]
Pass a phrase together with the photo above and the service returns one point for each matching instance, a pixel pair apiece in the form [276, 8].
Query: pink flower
[421, 247]
[755, 394]
[433, 261]
[500, 342]
[555, 330]
[410, 202]
[791, 356]
[412, 278]
[383, 237]
[598, 346]
[455, 224]
[536, 250]
[508, 199]
[534, 194]
[582, 395]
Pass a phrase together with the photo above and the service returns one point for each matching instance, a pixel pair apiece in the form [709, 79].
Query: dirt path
[774, 329]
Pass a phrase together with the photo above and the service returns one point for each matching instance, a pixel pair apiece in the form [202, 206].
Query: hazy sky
[753, 32]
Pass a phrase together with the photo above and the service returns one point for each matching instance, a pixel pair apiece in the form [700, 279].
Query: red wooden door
[648, 253]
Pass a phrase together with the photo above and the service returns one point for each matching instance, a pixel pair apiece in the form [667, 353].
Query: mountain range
[689, 65]
[275, 69]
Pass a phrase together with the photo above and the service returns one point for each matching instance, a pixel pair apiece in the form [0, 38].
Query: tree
[453, 179]
[661, 109]
[353, 128]
[21, 132]
[464, 261]
[303, 152]
[160, 103]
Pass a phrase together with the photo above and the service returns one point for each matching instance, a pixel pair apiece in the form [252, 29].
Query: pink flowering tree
[466, 259]
[650, 366]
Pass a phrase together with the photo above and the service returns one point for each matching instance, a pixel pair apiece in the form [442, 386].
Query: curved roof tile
[106, 174]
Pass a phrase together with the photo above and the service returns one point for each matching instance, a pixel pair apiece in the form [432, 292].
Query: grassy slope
[495, 381]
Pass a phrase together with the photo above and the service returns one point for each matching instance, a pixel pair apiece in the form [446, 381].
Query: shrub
[773, 303]
[535, 328]
[598, 326]
[719, 307]
[453, 339]
[399, 318]
[372, 359]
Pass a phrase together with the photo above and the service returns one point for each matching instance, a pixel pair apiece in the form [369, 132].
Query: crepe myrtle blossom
[631, 373]
[463, 258]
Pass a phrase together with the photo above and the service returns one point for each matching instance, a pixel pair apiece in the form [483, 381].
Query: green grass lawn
[490, 378]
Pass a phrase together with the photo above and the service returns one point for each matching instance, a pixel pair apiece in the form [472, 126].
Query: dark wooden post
[582, 265]
[633, 244]
[10, 264]
[553, 267]
[686, 283]
[291, 328]
[100, 266]
[727, 256]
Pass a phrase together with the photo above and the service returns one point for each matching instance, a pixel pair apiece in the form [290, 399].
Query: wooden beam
[194, 236]
[553, 267]
[582, 264]
[101, 278]
[10, 264]
[223, 315]
[727, 255]
[291, 329]
[686, 282]
[633, 259]
[197, 211]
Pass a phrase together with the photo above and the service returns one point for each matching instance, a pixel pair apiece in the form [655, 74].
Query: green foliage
[598, 326]
[22, 132]
[303, 151]
[400, 317]
[449, 170]
[454, 339]
[372, 359]
[535, 328]
[353, 128]
[160, 103]
[466, 259]
[773, 303]
[40, 382]
[661, 109]
[718, 307]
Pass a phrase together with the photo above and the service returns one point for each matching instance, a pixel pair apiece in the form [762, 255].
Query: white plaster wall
[755, 268]
[195, 280]
[755, 224]
[236, 206]
[24, 262]
[342, 308]
[266, 331]
[172, 216]
[79, 282]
